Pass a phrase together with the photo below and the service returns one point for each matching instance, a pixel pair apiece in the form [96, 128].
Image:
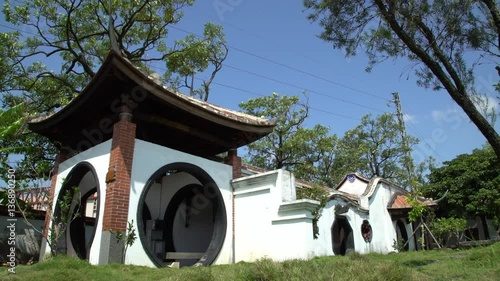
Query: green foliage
[398, 245]
[314, 193]
[11, 124]
[67, 210]
[443, 40]
[290, 146]
[418, 208]
[128, 238]
[472, 180]
[443, 228]
[196, 56]
[475, 264]
[75, 37]
[374, 148]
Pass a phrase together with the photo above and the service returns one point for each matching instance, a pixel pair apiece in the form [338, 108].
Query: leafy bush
[445, 228]
[315, 193]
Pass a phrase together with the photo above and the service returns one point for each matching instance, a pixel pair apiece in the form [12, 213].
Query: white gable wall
[357, 187]
[383, 232]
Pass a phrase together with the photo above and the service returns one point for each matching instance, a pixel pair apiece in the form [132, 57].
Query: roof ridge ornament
[112, 33]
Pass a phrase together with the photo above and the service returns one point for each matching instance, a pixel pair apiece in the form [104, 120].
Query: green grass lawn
[482, 263]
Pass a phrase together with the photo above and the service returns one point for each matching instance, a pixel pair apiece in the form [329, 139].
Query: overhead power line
[301, 88]
[291, 67]
[261, 95]
[271, 79]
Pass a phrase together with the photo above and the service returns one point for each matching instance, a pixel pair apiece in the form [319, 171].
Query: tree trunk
[479, 120]
[442, 68]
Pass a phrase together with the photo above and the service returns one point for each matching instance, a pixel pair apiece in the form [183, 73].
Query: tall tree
[440, 37]
[59, 46]
[291, 145]
[472, 181]
[374, 148]
[198, 57]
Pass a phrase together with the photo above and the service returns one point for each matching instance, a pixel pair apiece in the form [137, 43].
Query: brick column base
[111, 250]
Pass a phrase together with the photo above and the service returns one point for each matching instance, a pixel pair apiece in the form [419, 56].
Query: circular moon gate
[191, 222]
[80, 188]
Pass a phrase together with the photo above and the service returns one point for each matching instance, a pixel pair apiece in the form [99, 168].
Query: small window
[366, 231]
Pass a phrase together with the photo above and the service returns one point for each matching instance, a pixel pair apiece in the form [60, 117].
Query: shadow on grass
[418, 263]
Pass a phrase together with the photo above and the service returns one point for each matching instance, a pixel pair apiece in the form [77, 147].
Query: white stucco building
[146, 155]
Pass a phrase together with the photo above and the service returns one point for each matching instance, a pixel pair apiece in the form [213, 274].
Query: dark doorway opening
[77, 211]
[342, 236]
[402, 235]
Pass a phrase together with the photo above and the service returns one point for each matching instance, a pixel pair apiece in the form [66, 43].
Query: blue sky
[274, 48]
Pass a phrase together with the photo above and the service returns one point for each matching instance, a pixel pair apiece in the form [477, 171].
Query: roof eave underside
[119, 70]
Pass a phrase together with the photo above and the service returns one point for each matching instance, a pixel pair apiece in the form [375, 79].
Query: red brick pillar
[234, 160]
[117, 188]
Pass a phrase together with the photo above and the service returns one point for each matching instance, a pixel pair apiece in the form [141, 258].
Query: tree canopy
[291, 144]
[57, 46]
[444, 40]
[472, 181]
[373, 148]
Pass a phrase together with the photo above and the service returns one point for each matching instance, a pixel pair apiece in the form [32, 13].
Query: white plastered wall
[383, 231]
[148, 158]
[98, 157]
[269, 221]
[353, 216]
[356, 187]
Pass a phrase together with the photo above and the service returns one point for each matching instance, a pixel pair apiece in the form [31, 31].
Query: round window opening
[182, 217]
[76, 211]
[366, 231]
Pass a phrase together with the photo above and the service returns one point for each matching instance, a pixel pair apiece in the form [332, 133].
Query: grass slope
[475, 264]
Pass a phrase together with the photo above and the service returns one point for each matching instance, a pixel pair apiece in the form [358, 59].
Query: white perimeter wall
[383, 230]
[148, 158]
[269, 221]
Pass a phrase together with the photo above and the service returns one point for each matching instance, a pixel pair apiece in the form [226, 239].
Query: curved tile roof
[162, 116]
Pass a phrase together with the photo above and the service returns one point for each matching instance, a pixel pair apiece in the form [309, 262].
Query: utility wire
[290, 67]
[419, 134]
[254, 93]
[261, 95]
[313, 108]
[269, 78]
[301, 88]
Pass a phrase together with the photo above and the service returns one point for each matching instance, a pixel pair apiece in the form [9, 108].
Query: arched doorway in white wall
[77, 207]
[186, 217]
[402, 235]
[342, 236]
